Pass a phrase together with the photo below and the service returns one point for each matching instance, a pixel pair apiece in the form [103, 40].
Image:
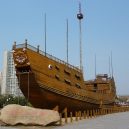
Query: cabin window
[67, 72]
[78, 85]
[24, 69]
[95, 86]
[57, 67]
[57, 77]
[78, 76]
[67, 81]
[50, 66]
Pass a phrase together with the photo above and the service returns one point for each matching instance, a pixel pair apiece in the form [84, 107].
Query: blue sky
[105, 28]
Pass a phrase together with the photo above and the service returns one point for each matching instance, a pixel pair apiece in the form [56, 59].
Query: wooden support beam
[84, 114]
[71, 117]
[76, 115]
[60, 118]
[56, 108]
[66, 115]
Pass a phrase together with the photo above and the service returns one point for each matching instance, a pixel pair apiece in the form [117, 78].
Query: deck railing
[25, 45]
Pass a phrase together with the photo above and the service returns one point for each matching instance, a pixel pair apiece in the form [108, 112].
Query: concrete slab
[111, 121]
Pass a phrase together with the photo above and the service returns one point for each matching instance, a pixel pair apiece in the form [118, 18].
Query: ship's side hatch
[95, 87]
[23, 69]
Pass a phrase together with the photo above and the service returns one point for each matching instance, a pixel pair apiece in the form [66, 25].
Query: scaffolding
[9, 84]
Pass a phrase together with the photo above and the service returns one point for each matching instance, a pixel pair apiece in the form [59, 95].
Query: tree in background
[10, 99]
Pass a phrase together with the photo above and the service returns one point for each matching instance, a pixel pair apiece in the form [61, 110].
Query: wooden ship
[48, 82]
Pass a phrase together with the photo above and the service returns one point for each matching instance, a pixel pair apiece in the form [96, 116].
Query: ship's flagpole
[67, 40]
[80, 17]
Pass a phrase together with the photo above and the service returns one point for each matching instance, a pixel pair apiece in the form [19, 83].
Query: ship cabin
[101, 84]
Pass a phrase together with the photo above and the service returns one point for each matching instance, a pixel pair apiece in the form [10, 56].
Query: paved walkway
[111, 121]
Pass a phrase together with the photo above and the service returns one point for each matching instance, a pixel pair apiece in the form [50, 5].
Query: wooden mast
[45, 32]
[80, 17]
[67, 40]
[95, 65]
[111, 65]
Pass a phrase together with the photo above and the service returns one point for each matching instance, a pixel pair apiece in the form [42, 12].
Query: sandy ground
[111, 121]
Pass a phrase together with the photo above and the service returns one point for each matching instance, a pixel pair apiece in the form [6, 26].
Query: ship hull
[48, 82]
[44, 98]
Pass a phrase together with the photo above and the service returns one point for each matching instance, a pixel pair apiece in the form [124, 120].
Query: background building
[9, 83]
[0, 81]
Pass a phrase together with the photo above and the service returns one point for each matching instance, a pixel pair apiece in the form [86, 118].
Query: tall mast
[95, 65]
[80, 17]
[111, 65]
[67, 37]
[45, 32]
